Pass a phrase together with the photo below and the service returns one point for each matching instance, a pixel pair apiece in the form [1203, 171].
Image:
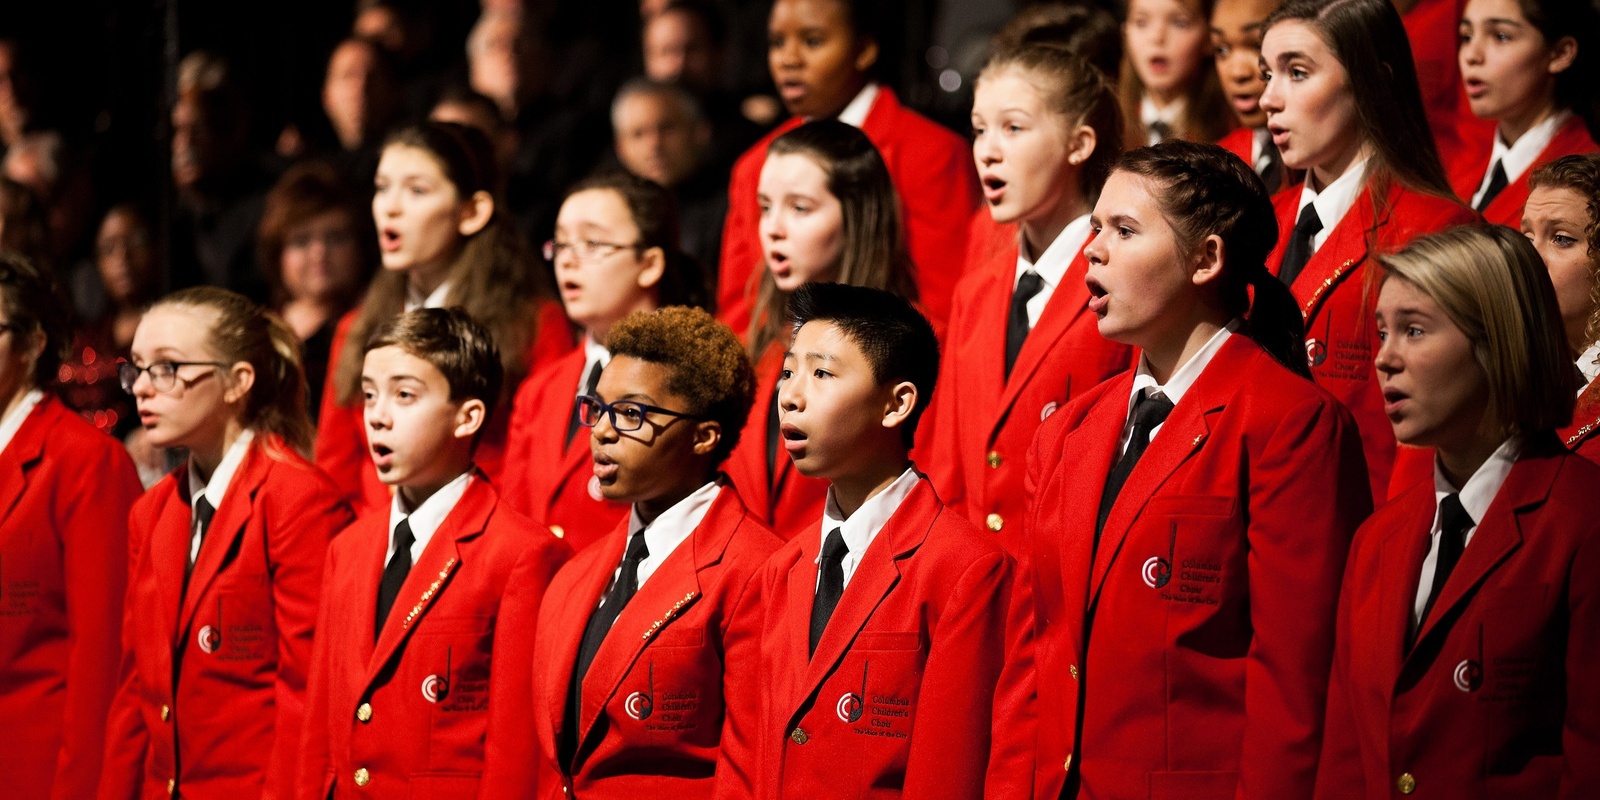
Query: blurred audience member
[22, 222]
[358, 94]
[317, 248]
[59, 178]
[464, 106]
[15, 95]
[220, 192]
[684, 44]
[661, 135]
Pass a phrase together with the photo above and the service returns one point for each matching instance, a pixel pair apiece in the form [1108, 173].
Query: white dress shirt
[1176, 386]
[1334, 201]
[1258, 145]
[670, 529]
[213, 488]
[593, 353]
[1150, 114]
[435, 298]
[1586, 365]
[427, 518]
[863, 526]
[1052, 264]
[855, 113]
[1475, 498]
[13, 421]
[1517, 157]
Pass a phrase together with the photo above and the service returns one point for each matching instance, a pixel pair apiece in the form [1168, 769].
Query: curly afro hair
[707, 366]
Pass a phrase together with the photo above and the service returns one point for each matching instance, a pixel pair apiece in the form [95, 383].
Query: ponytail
[1206, 191]
[244, 331]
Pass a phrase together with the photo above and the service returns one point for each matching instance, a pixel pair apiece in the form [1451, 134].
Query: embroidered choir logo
[209, 639]
[852, 705]
[1156, 572]
[640, 705]
[1049, 408]
[435, 688]
[1316, 352]
[1468, 675]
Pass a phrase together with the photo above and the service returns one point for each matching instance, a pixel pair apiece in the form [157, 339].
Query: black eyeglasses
[626, 415]
[163, 374]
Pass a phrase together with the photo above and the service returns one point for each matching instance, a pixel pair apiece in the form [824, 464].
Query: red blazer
[1341, 338]
[1466, 174]
[933, 173]
[1431, 27]
[1212, 592]
[406, 717]
[791, 504]
[341, 446]
[670, 698]
[546, 477]
[1583, 435]
[897, 700]
[984, 422]
[1497, 698]
[1242, 143]
[65, 491]
[213, 680]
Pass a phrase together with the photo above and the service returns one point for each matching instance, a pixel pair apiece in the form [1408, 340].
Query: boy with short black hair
[400, 678]
[882, 659]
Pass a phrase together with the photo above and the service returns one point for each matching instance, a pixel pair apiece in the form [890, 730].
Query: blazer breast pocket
[240, 627]
[1193, 548]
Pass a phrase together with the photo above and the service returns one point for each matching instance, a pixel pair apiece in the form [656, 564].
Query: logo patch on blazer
[1156, 572]
[435, 688]
[639, 705]
[209, 639]
[1049, 408]
[1468, 675]
[1316, 352]
[849, 707]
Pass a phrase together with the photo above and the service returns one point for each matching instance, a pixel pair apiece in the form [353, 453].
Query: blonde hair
[244, 331]
[1492, 284]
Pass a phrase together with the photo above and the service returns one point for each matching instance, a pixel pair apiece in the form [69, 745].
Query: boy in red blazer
[885, 627]
[644, 676]
[400, 677]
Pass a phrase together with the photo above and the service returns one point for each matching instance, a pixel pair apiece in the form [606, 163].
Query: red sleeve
[950, 753]
[341, 445]
[94, 540]
[127, 740]
[512, 759]
[741, 694]
[298, 545]
[942, 456]
[1013, 757]
[1340, 773]
[514, 482]
[740, 248]
[1580, 736]
[311, 771]
[1313, 460]
[939, 192]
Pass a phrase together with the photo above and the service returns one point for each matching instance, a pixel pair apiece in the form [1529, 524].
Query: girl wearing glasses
[444, 240]
[225, 557]
[65, 491]
[828, 214]
[615, 251]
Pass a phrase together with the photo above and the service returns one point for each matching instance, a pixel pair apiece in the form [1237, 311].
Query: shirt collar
[595, 352]
[13, 421]
[1517, 157]
[1587, 365]
[213, 489]
[435, 298]
[1258, 142]
[425, 519]
[672, 527]
[1184, 376]
[855, 114]
[1149, 112]
[1336, 198]
[1484, 484]
[863, 526]
[1056, 258]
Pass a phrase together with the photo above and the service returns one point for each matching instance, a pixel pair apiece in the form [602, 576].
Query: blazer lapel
[169, 550]
[1069, 299]
[430, 576]
[1345, 250]
[1499, 533]
[26, 447]
[581, 603]
[875, 576]
[1097, 441]
[218, 545]
[1400, 569]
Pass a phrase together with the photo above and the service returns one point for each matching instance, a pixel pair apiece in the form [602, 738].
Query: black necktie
[830, 584]
[1454, 521]
[1497, 183]
[1272, 170]
[1148, 413]
[588, 388]
[200, 522]
[394, 573]
[617, 597]
[1017, 325]
[1298, 252]
[1161, 130]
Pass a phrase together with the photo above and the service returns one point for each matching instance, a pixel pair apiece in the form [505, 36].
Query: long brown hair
[1369, 39]
[1205, 190]
[494, 277]
[874, 250]
[305, 192]
[244, 331]
[1206, 115]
